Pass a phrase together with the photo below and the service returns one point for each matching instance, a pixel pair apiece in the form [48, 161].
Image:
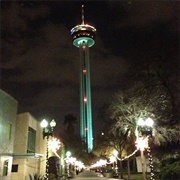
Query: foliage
[70, 121]
[52, 176]
[36, 177]
[170, 169]
[151, 96]
[108, 169]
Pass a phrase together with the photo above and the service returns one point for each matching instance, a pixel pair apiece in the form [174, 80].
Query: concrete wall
[8, 111]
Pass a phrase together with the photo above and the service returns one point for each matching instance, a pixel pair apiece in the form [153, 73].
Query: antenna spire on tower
[82, 9]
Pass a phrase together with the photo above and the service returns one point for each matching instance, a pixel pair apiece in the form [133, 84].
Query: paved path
[90, 175]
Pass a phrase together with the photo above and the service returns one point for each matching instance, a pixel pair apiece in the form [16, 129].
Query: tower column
[84, 37]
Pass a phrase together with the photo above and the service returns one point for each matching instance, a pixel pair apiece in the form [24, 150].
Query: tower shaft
[84, 37]
[85, 96]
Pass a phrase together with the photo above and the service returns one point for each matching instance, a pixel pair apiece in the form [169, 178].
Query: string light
[150, 163]
[141, 144]
[127, 157]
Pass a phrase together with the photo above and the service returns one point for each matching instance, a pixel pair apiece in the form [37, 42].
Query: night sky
[40, 66]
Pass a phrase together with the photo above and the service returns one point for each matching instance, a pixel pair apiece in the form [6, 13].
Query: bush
[109, 169]
[36, 177]
[170, 171]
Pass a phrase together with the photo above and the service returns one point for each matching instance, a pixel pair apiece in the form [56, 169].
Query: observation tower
[83, 36]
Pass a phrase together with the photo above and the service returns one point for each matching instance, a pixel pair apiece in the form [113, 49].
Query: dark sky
[40, 66]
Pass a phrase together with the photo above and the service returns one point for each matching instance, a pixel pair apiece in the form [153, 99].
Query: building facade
[29, 157]
[8, 112]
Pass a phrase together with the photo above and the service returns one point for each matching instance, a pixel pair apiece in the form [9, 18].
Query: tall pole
[143, 164]
[47, 156]
[47, 131]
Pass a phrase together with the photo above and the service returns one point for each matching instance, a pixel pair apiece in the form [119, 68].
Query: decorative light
[115, 153]
[72, 160]
[142, 143]
[150, 163]
[112, 159]
[54, 144]
[128, 156]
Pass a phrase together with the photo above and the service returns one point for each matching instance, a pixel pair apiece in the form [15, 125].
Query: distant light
[84, 71]
[86, 129]
[68, 154]
[85, 99]
[44, 123]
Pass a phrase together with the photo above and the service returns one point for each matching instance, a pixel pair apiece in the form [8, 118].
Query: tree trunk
[121, 169]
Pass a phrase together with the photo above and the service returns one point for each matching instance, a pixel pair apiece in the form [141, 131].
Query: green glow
[85, 89]
[83, 37]
[89, 41]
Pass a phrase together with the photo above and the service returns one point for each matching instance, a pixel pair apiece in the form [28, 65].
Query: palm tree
[70, 121]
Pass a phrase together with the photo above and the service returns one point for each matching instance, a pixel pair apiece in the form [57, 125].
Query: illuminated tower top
[83, 33]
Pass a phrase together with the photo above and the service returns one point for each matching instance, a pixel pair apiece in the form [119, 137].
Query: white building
[8, 112]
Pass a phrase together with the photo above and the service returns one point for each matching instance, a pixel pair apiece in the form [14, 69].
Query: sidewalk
[91, 175]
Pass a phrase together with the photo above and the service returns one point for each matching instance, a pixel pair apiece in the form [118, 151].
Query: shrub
[170, 171]
[35, 177]
[109, 169]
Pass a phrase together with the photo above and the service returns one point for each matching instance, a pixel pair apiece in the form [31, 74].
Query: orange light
[85, 99]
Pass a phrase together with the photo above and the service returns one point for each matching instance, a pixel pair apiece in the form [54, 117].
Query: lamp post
[144, 130]
[47, 131]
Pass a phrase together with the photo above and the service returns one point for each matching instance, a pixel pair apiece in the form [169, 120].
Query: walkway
[91, 175]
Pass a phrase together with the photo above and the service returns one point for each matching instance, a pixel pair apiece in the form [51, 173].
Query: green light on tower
[83, 38]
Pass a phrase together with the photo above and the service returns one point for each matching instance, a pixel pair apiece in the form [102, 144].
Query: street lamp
[145, 126]
[144, 130]
[47, 131]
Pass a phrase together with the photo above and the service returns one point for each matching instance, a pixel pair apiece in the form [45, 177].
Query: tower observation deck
[83, 36]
